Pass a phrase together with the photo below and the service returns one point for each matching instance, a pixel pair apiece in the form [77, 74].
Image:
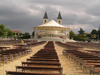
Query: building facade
[51, 28]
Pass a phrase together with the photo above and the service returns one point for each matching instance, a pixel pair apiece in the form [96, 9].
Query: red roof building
[16, 31]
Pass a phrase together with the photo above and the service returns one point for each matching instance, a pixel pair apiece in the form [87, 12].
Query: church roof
[52, 23]
[45, 16]
[59, 16]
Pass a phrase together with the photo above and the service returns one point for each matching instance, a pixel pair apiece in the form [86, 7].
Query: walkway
[69, 67]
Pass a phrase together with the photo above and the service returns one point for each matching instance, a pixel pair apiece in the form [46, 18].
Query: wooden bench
[28, 73]
[88, 65]
[47, 69]
[51, 60]
[46, 57]
[3, 59]
[95, 69]
[45, 60]
[41, 63]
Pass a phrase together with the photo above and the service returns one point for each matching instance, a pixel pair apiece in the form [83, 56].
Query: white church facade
[51, 29]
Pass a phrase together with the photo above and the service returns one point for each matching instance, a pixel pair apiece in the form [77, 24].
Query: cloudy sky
[23, 15]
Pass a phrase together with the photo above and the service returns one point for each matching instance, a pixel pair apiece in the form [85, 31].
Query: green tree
[33, 34]
[2, 30]
[20, 34]
[26, 35]
[89, 35]
[94, 31]
[9, 33]
[98, 34]
[72, 34]
[78, 38]
[81, 31]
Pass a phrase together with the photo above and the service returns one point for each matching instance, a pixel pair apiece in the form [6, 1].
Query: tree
[2, 30]
[81, 31]
[9, 33]
[94, 31]
[78, 38]
[72, 34]
[26, 35]
[33, 34]
[88, 35]
[98, 34]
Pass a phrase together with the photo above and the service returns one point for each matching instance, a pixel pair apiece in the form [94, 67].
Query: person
[22, 42]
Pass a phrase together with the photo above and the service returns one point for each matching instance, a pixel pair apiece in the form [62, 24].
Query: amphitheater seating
[68, 46]
[88, 61]
[10, 54]
[44, 62]
[84, 59]
[13, 42]
[7, 54]
[85, 44]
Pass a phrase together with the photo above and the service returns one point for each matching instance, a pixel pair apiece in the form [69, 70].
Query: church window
[45, 21]
[59, 21]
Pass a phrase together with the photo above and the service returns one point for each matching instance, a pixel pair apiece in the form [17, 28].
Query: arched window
[59, 21]
[45, 21]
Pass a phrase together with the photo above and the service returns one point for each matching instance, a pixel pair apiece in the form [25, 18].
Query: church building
[51, 29]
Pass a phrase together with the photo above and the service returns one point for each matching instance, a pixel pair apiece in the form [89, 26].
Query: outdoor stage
[53, 39]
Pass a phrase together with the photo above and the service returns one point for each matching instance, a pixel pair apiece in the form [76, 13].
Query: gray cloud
[94, 10]
[23, 15]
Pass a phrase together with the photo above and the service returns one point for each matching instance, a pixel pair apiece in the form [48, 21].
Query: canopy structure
[51, 25]
[51, 29]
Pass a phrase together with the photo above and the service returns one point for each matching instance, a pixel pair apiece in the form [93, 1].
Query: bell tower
[45, 18]
[59, 18]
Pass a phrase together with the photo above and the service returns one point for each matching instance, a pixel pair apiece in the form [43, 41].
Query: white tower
[45, 18]
[59, 19]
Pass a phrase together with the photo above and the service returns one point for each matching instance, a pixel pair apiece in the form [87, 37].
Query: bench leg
[90, 72]
[6, 73]
[61, 71]
[93, 73]
[86, 70]
[99, 73]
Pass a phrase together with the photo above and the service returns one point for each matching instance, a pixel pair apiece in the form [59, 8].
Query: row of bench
[87, 61]
[44, 62]
[29, 45]
[94, 52]
[86, 44]
[7, 55]
[14, 42]
[66, 45]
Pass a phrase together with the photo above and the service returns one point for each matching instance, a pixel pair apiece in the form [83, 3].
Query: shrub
[77, 38]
